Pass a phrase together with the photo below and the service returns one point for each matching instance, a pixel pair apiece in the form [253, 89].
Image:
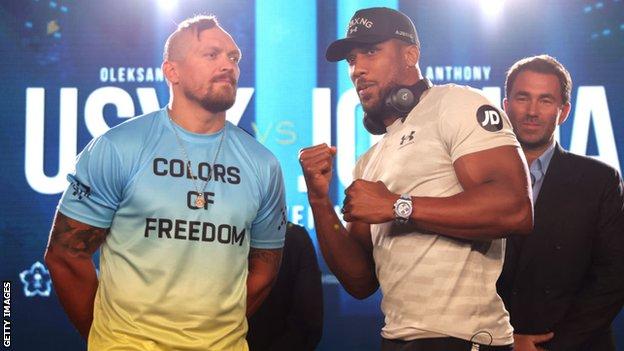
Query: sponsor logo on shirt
[407, 139]
[80, 190]
[489, 118]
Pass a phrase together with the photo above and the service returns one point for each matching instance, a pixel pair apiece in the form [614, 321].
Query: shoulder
[136, 130]
[454, 91]
[258, 153]
[128, 141]
[590, 167]
[461, 100]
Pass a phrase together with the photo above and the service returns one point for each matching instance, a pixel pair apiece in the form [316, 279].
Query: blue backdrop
[72, 69]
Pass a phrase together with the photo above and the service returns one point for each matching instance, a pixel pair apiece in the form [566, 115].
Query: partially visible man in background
[564, 284]
[291, 317]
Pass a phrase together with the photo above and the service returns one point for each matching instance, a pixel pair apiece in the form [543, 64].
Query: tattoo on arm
[265, 257]
[75, 238]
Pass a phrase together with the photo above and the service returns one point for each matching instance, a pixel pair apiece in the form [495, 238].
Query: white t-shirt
[434, 285]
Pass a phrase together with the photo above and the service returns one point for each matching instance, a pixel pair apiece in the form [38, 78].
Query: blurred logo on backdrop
[36, 280]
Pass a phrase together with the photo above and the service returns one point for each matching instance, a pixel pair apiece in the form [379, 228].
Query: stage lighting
[167, 5]
[491, 8]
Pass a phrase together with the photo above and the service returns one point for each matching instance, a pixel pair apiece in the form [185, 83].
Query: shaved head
[177, 44]
[201, 64]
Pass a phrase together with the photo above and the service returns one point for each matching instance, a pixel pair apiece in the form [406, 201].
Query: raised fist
[368, 202]
[317, 165]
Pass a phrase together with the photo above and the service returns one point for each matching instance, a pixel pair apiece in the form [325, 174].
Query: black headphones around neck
[399, 101]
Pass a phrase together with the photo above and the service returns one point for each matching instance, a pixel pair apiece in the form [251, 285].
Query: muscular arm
[68, 257]
[347, 251]
[263, 268]
[496, 200]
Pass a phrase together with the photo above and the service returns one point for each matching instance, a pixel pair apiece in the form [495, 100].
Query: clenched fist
[317, 165]
[368, 202]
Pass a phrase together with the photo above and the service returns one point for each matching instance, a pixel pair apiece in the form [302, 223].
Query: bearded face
[219, 95]
[208, 72]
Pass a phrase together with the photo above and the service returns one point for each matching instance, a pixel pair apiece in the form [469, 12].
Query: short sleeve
[357, 170]
[269, 226]
[470, 123]
[362, 161]
[96, 186]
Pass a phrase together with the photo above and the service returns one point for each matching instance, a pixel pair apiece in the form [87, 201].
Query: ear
[565, 111]
[412, 55]
[505, 107]
[170, 71]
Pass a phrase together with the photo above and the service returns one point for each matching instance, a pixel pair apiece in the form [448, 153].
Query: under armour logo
[408, 137]
[353, 29]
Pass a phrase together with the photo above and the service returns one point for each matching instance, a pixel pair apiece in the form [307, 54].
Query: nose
[532, 111]
[228, 65]
[357, 67]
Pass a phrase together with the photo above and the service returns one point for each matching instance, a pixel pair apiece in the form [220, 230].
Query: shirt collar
[540, 165]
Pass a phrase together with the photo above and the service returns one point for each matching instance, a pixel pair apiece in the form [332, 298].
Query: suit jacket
[567, 276]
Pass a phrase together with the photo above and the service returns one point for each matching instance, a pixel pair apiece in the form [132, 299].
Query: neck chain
[200, 201]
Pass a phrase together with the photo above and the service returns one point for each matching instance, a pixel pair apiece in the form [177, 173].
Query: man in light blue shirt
[187, 211]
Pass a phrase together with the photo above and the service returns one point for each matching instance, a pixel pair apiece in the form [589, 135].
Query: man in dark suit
[564, 283]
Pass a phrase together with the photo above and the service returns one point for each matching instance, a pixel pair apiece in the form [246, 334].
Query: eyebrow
[209, 47]
[547, 96]
[365, 47]
[220, 49]
[541, 96]
[361, 48]
[236, 52]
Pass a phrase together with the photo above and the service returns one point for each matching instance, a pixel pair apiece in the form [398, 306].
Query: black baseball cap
[371, 26]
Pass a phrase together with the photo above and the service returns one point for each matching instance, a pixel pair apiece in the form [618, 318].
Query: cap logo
[359, 21]
[404, 34]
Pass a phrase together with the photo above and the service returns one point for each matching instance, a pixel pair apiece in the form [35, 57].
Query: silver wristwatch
[402, 209]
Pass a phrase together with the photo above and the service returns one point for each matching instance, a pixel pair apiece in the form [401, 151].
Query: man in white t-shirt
[431, 200]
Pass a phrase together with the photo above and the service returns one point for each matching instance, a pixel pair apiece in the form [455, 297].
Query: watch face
[404, 209]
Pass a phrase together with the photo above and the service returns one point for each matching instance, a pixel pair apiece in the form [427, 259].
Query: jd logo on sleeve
[489, 118]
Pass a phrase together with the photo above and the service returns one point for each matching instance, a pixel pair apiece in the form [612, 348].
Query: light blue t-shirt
[172, 275]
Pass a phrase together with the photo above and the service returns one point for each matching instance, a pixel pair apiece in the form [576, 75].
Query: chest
[412, 159]
[220, 190]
